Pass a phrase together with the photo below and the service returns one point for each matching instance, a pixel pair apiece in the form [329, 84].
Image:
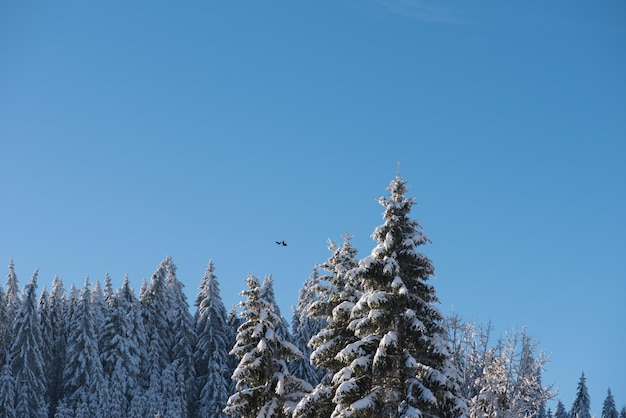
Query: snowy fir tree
[5, 326]
[304, 327]
[158, 319]
[608, 406]
[267, 293]
[26, 357]
[7, 391]
[336, 296]
[122, 344]
[560, 411]
[12, 293]
[400, 366]
[622, 413]
[215, 340]
[265, 388]
[84, 385]
[53, 326]
[581, 408]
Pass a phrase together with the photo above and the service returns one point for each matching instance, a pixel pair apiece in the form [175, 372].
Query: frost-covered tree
[608, 407]
[7, 391]
[622, 413]
[26, 357]
[304, 327]
[337, 294]
[581, 408]
[122, 344]
[5, 327]
[158, 318]
[401, 365]
[84, 385]
[53, 327]
[265, 388]
[12, 293]
[215, 340]
[560, 411]
[183, 344]
[267, 292]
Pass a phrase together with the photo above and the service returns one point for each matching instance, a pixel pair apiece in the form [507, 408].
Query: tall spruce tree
[183, 344]
[7, 391]
[26, 357]
[304, 327]
[608, 407]
[84, 384]
[265, 388]
[560, 411]
[581, 408]
[337, 295]
[53, 327]
[400, 366]
[12, 293]
[122, 343]
[215, 340]
[267, 292]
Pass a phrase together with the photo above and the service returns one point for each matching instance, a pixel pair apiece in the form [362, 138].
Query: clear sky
[131, 130]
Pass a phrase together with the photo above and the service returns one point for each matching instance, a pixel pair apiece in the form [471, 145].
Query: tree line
[366, 339]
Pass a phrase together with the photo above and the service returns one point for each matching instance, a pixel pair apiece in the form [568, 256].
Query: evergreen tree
[26, 357]
[581, 407]
[400, 366]
[215, 340]
[53, 327]
[265, 388]
[12, 294]
[5, 327]
[7, 392]
[560, 411]
[267, 292]
[304, 327]
[122, 345]
[608, 407]
[337, 295]
[184, 341]
[84, 386]
[622, 413]
[158, 318]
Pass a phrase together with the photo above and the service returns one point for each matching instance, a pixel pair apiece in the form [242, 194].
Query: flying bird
[283, 243]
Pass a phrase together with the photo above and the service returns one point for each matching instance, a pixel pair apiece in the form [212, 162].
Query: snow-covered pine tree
[265, 388]
[53, 327]
[84, 385]
[560, 411]
[337, 295]
[99, 307]
[581, 408]
[10, 305]
[215, 340]
[304, 327]
[401, 365]
[122, 347]
[5, 327]
[267, 292]
[608, 406]
[12, 293]
[7, 390]
[184, 341]
[158, 317]
[622, 413]
[26, 357]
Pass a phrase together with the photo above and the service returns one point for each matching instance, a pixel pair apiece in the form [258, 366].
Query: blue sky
[208, 130]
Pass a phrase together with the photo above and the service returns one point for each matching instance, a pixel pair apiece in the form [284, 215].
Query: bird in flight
[283, 243]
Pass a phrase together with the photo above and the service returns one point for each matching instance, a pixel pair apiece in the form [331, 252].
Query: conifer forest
[366, 339]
